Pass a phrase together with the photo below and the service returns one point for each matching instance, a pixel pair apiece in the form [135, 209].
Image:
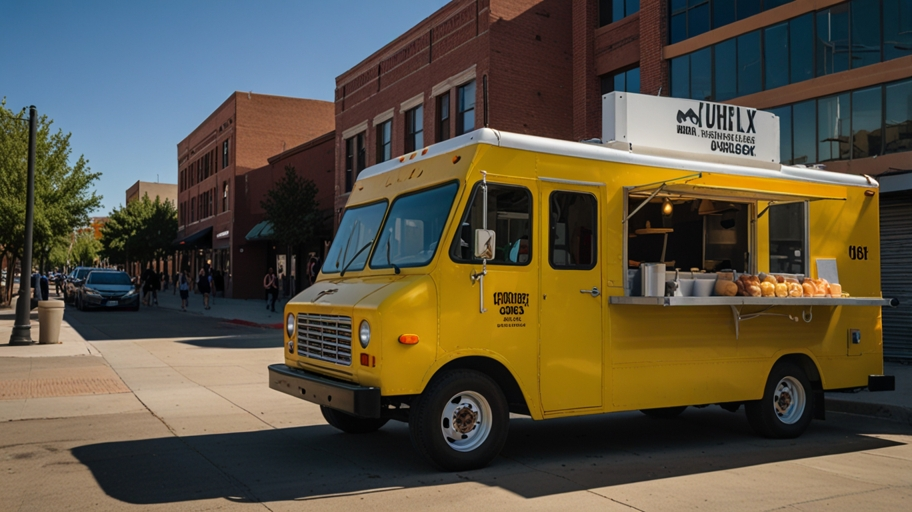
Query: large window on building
[856, 124]
[384, 141]
[833, 40]
[689, 18]
[465, 108]
[443, 117]
[616, 10]
[898, 124]
[897, 28]
[355, 159]
[867, 120]
[621, 81]
[814, 44]
[414, 129]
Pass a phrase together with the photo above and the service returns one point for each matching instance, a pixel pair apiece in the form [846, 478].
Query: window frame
[414, 128]
[476, 190]
[388, 213]
[443, 123]
[460, 112]
[384, 135]
[552, 235]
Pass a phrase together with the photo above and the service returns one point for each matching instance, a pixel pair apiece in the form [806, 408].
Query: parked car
[107, 289]
[75, 280]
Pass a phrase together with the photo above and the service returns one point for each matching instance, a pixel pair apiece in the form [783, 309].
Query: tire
[664, 412]
[479, 405]
[787, 406]
[351, 424]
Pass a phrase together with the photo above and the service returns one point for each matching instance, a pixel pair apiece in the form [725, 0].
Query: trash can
[50, 316]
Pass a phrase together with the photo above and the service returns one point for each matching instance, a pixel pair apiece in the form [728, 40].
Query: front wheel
[351, 424]
[460, 421]
[785, 411]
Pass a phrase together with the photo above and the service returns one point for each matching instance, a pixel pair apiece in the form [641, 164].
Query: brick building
[238, 137]
[838, 73]
[163, 192]
[255, 250]
[505, 64]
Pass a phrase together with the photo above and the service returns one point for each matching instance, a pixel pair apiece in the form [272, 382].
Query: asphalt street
[195, 427]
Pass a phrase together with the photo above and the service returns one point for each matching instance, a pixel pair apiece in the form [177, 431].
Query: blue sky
[130, 79]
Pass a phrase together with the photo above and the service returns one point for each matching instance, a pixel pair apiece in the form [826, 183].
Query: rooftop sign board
[715, 131]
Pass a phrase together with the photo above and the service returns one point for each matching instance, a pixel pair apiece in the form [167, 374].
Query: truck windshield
[357, 230]
[413, 228]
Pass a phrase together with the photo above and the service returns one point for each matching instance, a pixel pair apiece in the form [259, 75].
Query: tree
[143, 231]
[291, 206]
[85, 248]
[63, 191]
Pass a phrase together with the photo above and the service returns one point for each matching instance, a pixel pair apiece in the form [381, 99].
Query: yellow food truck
[499, 273]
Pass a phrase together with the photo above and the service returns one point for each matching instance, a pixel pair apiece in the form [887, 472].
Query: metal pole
[22, 330]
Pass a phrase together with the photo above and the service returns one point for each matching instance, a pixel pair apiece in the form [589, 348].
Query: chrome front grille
[325, 337]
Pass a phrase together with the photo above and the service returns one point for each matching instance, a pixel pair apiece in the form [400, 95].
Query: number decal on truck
[858, 252]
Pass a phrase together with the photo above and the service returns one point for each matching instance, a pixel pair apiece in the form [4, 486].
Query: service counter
[737, 304]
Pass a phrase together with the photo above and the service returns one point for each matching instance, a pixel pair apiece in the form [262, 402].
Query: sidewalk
[250, 312]
[896, 405]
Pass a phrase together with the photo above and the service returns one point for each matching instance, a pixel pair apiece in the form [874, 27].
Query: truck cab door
[572, 301]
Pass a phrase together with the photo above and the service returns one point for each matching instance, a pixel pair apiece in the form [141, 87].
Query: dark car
[108, 290]
[75, 279]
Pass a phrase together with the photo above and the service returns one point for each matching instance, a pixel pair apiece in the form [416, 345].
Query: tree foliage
[64, 194]
[291, 207]
[143, 231]
[86, 248]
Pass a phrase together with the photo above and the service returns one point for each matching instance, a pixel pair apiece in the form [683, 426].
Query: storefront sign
[222, 234]
[717, 130]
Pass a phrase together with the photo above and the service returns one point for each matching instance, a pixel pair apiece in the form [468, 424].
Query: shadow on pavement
[150, 323]
[540, 458]
[271, 340]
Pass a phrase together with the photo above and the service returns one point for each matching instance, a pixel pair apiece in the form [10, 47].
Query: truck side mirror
[484, 243]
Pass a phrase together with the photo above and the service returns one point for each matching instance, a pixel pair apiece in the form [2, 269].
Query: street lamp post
[22, 330]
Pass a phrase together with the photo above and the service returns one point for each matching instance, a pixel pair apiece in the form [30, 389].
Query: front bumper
[351, 398]
[94, 301]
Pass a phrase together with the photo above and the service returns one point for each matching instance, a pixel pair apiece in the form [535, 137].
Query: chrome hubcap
[789, 400]
[466, 421]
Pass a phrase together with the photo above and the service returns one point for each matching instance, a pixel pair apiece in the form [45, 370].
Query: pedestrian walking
[271, 285]
[176, 279]
[202, 284]
[164, 280]
[147, 279]
[212, 292]
[182, 282]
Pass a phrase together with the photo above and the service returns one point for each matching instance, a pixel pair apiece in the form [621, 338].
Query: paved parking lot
[199, 429]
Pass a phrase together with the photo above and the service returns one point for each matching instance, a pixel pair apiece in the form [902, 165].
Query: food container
[686, 287]
[703, 287]
[653, 279]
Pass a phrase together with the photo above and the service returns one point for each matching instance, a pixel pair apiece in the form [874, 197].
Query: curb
[883, 411]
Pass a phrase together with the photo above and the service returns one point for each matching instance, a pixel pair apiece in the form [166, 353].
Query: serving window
[704, 228]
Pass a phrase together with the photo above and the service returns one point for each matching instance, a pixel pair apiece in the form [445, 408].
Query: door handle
[594, 291]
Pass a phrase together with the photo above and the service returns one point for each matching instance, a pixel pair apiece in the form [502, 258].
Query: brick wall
[653, 35]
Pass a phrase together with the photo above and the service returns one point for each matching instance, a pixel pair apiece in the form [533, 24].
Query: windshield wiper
[368, 244]
[395, 267]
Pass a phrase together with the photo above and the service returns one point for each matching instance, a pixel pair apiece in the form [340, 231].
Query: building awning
[262, 231]
[202, 239]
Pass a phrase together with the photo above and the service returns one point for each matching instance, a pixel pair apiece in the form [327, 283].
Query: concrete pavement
[251, 312]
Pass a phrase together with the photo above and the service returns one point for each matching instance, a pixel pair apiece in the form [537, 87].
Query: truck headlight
[290, 325]
[364, 333]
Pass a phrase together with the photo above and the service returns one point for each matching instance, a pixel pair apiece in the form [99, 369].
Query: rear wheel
[460, 421]
[351, 424]
[785, 411]
[664, 412]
